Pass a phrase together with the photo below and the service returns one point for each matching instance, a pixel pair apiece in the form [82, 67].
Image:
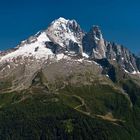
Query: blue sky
[118, 19]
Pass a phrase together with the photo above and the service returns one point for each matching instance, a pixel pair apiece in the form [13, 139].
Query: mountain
[65, 83]
[65, 37]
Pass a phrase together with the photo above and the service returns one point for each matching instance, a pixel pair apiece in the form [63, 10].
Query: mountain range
[65, 83]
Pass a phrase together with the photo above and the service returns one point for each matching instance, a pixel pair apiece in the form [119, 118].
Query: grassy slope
[96, 112]
[64, 116]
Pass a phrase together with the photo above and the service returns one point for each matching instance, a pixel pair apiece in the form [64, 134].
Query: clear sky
[118, 19]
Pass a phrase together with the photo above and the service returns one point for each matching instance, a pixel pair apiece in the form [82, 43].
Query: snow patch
[135, 72]
[126, 71]
[85, 55]
[43, 37]
[107, 75]
[60, 56]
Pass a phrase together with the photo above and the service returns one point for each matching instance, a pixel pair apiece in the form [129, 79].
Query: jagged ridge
[65, 39]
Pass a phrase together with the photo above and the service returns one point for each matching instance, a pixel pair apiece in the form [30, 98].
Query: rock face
[94, 43]
[123, 57]
[63, 40]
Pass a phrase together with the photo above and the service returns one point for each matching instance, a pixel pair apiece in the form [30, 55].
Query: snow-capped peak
[60, 20]
[62, 31]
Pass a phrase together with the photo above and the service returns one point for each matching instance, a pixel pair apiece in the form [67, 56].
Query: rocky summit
[65, 83]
